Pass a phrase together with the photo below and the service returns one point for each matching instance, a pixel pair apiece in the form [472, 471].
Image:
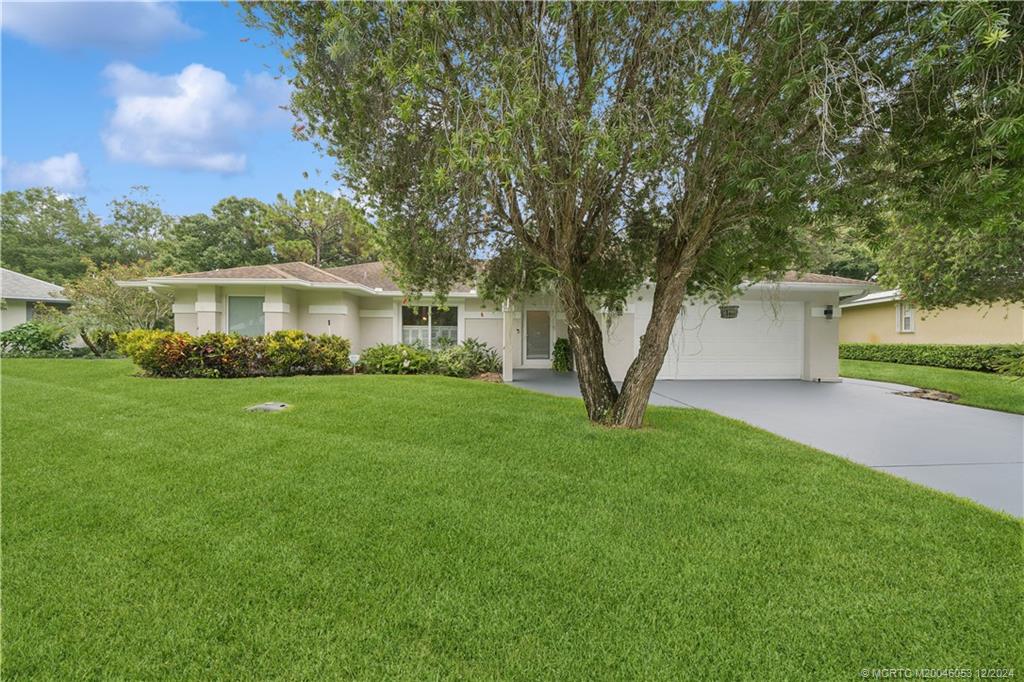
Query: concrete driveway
[967, 451]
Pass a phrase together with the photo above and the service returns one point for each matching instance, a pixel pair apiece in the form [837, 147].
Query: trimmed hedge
[980, 358]
[284, 353]
[469, 358]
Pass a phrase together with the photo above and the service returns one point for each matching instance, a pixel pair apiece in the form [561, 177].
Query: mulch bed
[931, 394]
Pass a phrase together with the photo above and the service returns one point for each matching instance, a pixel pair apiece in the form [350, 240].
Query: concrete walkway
[967, 451]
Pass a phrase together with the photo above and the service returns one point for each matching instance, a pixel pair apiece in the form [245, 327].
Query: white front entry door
[537, 340]
[764, 341]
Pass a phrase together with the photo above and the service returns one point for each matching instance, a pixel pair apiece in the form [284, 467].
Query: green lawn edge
[977, 389]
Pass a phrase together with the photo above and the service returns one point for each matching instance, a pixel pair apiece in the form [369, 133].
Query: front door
[538, 338]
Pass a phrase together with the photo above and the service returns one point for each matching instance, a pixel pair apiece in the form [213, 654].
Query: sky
[98, 97]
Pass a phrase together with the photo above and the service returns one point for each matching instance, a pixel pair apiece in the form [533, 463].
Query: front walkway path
[967, 451]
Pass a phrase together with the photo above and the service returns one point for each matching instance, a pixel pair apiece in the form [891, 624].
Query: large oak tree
[587, 147]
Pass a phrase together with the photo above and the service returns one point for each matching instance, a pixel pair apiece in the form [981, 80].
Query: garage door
[765, 341]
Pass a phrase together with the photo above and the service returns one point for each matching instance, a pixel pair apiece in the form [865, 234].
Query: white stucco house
[20, 293]
[783, 330]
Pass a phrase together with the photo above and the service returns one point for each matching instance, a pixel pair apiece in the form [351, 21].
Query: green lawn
[424, 528]
[980, 389]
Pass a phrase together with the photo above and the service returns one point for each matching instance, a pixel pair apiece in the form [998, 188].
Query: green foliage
[951, 179]
[320, 229]
[100, 307]
[589, 147]
[1011, 364]
[216, 355]
[980, 358]
[45, 234]
[34, 337]
[561, 357]
[466, 359]
[396, 358]
[139, 225]
[236, 232]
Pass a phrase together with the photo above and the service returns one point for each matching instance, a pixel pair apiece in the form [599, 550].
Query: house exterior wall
[806, 346]
[821, 339]
[374, 330]
[328, 312]
[877, 323]
[619, 342]
[13, 314]
[483, 321]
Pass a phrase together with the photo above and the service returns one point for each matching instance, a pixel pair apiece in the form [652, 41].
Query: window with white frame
[906, 318]
[427, 325]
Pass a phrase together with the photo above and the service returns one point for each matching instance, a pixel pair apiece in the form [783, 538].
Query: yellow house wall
[963, 324]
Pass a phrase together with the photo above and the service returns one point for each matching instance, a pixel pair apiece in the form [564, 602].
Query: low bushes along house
[784, 329]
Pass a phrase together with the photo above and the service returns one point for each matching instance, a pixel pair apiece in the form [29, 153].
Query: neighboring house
[20, 293]
[783, 330]
[882, 317]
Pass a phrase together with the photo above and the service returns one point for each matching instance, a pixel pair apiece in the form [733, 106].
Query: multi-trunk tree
[588, 147]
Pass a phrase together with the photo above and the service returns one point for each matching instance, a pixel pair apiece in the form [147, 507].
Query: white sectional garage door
[763, 342]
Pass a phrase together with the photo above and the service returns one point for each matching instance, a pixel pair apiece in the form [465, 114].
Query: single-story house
[783, 330]
[883, 317]
[20, 293]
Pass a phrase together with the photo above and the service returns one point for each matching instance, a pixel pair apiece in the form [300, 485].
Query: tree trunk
[596, 386]
[631, 404]
[88, 342]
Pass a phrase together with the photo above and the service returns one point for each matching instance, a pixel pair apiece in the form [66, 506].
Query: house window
[245, 315]
[906, 319]
[427, 325]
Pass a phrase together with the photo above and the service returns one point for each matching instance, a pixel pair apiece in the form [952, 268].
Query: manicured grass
[980, 389]
[424, 528]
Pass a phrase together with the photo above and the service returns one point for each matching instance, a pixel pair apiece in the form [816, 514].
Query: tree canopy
[954, 188]
[590, 146]
[321, 229]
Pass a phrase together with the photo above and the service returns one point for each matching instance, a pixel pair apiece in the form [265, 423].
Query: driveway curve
[967, 451]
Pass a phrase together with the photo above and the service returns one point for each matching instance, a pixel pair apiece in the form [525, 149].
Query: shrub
[398, 358]
[466, 359]
[561, 357]
[981, 358]
[285, 353]
[34, 338]
[1014, 366]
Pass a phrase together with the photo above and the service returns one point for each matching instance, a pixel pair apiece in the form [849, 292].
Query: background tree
[851, 253]
[336, 232]
[138, 225]
[44, 234]
[99, 306]
[588, 146]
[236, 232]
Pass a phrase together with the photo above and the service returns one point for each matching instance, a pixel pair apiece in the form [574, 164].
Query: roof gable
[15, 285]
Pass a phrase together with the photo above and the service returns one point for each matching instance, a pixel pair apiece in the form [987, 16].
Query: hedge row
[981, 358]
[285, 353]
[469, 358]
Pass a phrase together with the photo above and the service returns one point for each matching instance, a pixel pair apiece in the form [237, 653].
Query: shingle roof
[22, 287]
[375, 276]
[815, 278]
[303, 272]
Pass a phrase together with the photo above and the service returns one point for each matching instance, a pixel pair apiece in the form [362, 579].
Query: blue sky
[98, 97]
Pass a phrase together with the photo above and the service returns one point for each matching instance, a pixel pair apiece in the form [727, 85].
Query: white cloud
[188, 120]
[116, 26]
[59, 172]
